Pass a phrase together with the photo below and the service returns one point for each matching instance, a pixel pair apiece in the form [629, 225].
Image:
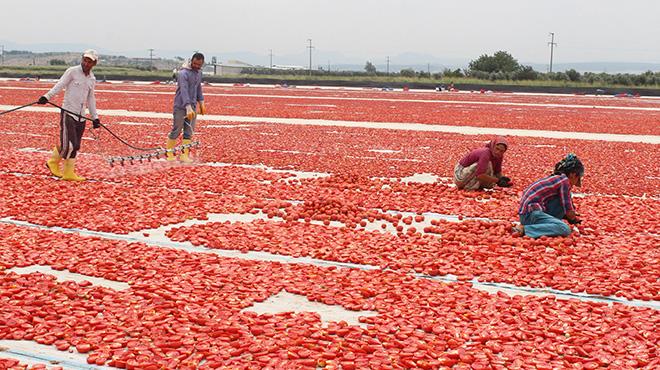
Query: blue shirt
[536, 196]
[188, 89]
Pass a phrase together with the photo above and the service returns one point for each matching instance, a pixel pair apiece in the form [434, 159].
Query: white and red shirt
[79, 91]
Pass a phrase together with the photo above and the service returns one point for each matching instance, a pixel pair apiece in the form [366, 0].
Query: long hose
[17, 108]
[157, 151]
[107, 129]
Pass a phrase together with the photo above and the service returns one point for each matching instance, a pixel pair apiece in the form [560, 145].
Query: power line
[271, 58]
[552, 44]
[310, 47]
[151, 58]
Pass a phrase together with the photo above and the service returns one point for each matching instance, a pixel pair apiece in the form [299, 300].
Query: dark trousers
[71, 133]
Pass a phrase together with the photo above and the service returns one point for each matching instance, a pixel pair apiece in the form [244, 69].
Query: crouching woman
[482, 167]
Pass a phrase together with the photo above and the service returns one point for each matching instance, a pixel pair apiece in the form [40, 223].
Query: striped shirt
[536, 196]
[79, 91]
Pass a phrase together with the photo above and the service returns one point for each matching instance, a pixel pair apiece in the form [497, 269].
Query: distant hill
[26, 58]
[40, 59]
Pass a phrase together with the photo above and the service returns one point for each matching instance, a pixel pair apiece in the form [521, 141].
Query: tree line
[501, 66]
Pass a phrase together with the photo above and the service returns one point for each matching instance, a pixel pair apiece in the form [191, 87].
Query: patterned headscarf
[570, 164]
[497, 140]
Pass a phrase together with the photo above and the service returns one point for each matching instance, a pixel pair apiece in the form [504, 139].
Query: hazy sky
[585, 30]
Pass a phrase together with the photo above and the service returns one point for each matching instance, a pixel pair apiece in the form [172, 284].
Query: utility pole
[328, 66]
[552, 44]
[428, 69]
[310, 47]
[151, 58]
[2, 56]
[271, 58]
[388, 65]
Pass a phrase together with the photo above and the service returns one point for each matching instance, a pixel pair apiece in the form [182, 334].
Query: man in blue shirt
[188, 96]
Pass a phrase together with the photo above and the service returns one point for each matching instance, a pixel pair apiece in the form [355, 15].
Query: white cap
[91, 54]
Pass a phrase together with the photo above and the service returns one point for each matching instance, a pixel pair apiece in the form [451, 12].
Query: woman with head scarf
[547, 201]
[482, 167]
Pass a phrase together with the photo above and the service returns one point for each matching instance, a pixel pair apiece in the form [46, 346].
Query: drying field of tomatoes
[189, 309]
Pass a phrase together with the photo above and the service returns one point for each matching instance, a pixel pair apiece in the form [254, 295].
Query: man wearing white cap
[79, 83]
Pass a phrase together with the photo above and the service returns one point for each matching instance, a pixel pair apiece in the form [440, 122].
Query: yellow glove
[202, 107]
[190, 113]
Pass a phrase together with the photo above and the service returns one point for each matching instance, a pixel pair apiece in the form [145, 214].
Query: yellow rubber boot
[170, 145]
[185, 156]
[53, 163]
[69, 173]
